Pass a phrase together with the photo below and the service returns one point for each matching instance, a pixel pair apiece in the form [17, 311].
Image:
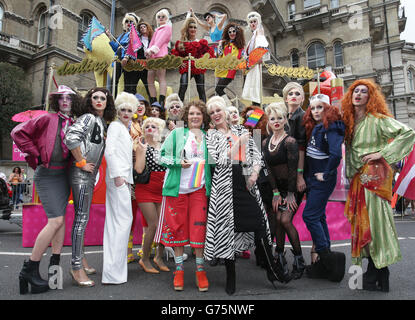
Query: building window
[291, 10]
[316, 56]
[83, 27]
[311, 3]
[1, 17]
[295, 59]
[338, 54]
[334, 4]
[411, 80]
[42, 27]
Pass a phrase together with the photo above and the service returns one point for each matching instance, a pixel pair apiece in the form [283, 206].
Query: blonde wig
[276, 108]
[124, 100]
[160, 123]
[130, 16]
[292, 85]
[166, 13]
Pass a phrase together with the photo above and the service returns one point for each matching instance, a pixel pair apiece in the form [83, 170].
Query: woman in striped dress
[237, 219]
[374, 141]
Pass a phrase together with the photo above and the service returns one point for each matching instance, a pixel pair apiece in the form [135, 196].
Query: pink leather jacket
[36, 138]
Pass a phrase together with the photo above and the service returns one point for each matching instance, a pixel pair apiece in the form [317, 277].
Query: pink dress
[159, 42]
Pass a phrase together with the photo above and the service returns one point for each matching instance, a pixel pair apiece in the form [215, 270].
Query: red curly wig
[330, 114]
[376, 106]
[262, 123]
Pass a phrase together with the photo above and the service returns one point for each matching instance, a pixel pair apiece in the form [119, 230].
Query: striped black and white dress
[222, 240]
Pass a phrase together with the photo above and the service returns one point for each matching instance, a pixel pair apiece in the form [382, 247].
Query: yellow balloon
[70, 201]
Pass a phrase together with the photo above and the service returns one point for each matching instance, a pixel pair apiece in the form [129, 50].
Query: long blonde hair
[184, 31]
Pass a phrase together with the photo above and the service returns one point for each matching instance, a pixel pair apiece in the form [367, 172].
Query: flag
[254, 118]
[134, 43]
[405, 185]
[94, 30]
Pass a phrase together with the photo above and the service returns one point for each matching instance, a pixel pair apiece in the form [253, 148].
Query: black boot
[383, 278]
[161, 100]
[370, 277]
[152, 99]
[230, 276]
[317, 270]
[298, 266]
[30, 275]
[259, 259]
[335, 263]
[282, 265]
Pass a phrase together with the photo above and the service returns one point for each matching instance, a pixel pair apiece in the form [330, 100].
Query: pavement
[252, 285]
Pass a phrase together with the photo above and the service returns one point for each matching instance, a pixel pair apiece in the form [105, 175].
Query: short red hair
[330, 114]
[376, 106]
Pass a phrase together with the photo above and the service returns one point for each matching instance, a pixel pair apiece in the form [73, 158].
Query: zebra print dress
[222, 241]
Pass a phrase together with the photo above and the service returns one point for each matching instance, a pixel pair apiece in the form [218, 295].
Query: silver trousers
[82, 184]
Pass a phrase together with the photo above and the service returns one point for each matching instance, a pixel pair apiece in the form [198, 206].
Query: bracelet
[81, 163]
[277, 194]
[300, 170]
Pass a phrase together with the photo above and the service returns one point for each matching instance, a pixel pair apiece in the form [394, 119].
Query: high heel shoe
[162, 268]
[170, 254]
[151, 270]
[90, 271]
[201, 281]
[82, 284]
[30, 275]
[298, 266]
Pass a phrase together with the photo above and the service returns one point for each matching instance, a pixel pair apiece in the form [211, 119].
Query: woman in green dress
[374, 141]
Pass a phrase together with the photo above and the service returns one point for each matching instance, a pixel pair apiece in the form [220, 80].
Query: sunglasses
[99, 98]
[126, 110]
[129, 21]
[175, 107]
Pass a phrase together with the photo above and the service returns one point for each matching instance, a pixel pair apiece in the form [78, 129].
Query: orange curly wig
[330, 115]
[376, 106]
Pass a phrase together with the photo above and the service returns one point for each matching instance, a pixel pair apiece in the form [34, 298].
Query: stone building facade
[354, 39]
[349, 37]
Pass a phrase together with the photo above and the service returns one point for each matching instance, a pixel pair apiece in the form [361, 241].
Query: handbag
[143, 177]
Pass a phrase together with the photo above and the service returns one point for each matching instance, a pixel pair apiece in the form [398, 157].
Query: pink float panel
[339, 227]
[34, 219]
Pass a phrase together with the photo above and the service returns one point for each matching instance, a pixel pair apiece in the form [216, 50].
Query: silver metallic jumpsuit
[88, 134]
